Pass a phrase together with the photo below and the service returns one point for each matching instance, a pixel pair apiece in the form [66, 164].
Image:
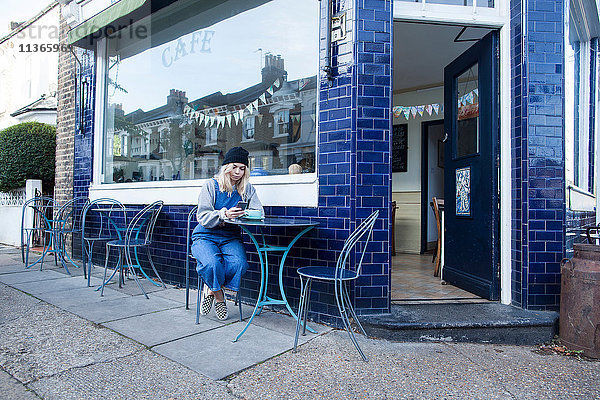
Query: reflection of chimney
[119, 110]
[274, 68]
[175, 96]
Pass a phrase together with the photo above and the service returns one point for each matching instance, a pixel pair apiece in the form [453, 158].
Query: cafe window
[178, 92]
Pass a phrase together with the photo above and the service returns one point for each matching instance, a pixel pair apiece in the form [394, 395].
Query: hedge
[27, 151]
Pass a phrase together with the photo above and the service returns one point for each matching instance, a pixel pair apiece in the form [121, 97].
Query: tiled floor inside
[413, 281]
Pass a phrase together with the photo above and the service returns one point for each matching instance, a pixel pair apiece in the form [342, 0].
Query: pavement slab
[162, 327]
[62, 285]
[11, 267]
[214, 355]
[142, 375]
[285, 324]
[78, 297]
[28, 275]
[124, 307]
[176, 294]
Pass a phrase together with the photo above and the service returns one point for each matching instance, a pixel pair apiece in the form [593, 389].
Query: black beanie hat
[236, 155]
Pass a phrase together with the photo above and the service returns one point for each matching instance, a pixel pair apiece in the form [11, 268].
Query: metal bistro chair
[102, 220]
[138, 235]
[67, 222]
[192, 217]
[339, 275]
[36, 224]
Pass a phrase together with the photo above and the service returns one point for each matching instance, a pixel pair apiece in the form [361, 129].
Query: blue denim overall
[219, 251]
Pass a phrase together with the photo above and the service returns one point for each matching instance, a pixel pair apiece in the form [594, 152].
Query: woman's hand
[234, 212]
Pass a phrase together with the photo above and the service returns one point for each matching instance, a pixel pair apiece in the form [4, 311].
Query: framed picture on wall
[440, 154]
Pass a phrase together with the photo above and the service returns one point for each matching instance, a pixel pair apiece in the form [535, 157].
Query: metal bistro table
[263, 249]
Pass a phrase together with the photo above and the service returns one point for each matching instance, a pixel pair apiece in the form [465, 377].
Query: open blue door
[471, 245]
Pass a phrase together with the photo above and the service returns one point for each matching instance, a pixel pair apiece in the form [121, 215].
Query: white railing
[11, 210]
[12, 198]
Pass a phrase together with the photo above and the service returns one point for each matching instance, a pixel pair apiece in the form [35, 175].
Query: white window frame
[429, 12]
[579, 196]
[247, 119]
[213, 135]
[277, 124]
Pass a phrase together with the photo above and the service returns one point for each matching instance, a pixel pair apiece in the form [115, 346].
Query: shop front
[344, 108]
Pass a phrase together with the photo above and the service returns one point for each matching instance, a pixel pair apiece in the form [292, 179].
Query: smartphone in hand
[242, 204]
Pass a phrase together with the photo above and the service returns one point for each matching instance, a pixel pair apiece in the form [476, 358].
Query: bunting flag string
[437, 108]
[222, 115]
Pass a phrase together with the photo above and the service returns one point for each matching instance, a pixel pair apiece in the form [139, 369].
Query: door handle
[445, 139]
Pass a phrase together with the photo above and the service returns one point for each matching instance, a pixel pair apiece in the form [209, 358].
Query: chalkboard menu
[400, 148]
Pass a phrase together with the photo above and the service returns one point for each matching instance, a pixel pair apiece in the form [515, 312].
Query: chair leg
[306, 304]
[153, 267]
[351, 308]
[198, 301]
[238, 301]
[105, 269]
[303, 288]
[339, 298]
[131, 269]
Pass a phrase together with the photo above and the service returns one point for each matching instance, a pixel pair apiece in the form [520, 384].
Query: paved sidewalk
[61, 340]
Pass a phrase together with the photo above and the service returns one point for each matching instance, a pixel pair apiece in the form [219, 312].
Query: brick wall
[63, 187]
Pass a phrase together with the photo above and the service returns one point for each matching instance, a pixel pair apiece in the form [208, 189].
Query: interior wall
[406, 186]
[435, 177]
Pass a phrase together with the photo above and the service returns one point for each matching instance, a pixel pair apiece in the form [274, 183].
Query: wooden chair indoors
[437, 204]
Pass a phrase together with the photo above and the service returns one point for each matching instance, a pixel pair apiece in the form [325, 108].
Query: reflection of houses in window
[274, 120]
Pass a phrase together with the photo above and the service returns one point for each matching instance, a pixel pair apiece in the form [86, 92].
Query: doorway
[421, 54]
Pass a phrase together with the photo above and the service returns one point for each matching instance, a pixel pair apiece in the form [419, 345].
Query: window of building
[177, 99]
[580, 103]
[282, 123]
[248, 134]
[211, 136]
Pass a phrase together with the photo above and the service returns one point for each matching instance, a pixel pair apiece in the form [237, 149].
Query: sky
[19, 10]
[285, 27]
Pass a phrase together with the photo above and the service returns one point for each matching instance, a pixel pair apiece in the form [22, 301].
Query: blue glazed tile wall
[354, 172]
[518, 174]
[538, 239]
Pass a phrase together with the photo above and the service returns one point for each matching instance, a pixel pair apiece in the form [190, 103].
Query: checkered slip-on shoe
[221, 310]
[206, 302]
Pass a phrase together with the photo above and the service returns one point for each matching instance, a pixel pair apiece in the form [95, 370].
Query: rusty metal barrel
[580, 300]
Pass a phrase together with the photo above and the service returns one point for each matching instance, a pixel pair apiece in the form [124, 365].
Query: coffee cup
[253, 214]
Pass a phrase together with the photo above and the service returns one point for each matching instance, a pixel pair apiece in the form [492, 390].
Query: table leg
[263, 287]
[281, 265]
[263, 299]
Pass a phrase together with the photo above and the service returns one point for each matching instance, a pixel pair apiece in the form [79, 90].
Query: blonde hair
[224, 180]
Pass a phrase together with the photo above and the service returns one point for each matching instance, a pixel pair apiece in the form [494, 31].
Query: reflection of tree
[124, 125]
[177, 144]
